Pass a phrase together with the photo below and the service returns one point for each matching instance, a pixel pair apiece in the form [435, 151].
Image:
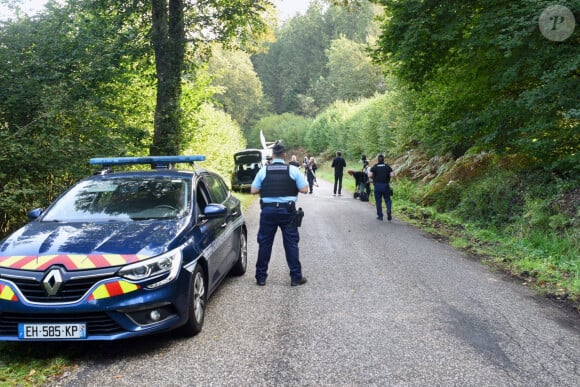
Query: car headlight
[168, 263]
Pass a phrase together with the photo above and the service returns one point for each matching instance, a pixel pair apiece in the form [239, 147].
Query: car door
[212, 234]
[234, 218]
[221, 195]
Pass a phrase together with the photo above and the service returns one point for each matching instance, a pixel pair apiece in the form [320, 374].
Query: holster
[298, 215]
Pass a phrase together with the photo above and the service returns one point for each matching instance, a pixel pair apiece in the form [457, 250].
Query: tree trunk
[168, 37]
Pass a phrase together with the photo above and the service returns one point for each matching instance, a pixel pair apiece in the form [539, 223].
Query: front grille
[71, 290]
[97, 323]
[75, 284]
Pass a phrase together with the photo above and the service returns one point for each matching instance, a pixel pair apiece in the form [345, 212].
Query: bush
[494, 200]
[449, 197]
[218, 137]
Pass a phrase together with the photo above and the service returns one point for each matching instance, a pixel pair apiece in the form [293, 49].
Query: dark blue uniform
[381, 179]
[338, 163]
[278, 184]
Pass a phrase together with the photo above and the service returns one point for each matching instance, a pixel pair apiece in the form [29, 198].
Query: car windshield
[123, 199]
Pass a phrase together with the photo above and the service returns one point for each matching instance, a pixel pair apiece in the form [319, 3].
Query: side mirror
[34, 214]
[214, 210]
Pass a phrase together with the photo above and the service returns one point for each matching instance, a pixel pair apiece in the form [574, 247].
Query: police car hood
[80, 246]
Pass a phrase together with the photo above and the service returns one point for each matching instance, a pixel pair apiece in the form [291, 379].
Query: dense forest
[474, 106]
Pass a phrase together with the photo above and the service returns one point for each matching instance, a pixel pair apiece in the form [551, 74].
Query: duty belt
[277, 205]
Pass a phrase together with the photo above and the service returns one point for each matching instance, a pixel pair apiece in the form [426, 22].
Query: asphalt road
[385, 305]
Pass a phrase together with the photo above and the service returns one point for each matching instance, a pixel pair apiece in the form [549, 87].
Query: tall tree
[174, 24]
[168, 38]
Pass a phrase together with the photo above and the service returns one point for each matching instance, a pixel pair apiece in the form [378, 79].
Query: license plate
[52, 331]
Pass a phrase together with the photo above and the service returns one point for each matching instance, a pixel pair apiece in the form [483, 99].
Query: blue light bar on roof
[156, 160]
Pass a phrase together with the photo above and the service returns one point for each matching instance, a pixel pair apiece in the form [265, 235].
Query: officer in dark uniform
[278, 185]
[381, 174]
[338, 163]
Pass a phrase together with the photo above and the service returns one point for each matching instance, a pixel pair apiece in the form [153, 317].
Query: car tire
[242, 263]
[197, 303]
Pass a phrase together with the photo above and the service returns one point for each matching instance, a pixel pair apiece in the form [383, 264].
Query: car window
[127, 198]
[202, 197]
[218, 189]
[225, 187]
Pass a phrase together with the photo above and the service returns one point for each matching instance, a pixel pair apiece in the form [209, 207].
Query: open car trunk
[247, 163]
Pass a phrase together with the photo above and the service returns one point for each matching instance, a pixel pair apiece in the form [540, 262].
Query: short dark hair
[278, 149]
[338, 153]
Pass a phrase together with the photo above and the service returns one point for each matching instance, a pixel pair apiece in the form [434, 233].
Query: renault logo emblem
[52, 282]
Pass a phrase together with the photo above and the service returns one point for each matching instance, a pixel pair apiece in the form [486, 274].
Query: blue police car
[122, 254]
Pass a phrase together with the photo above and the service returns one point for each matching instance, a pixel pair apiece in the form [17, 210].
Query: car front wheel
[197, 302]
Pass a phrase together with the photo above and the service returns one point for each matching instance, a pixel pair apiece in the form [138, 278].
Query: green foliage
[545, 259]
[485, 77]
[293, 60]
[405, 189]
[82, 103]
[549, 211]
[367, 127]
[525, 220]
[495, 191]
[239, 88]
[356, 23]
[217, 136]
[351, 75]
[29, 365]
[79, 81]
[489, 202]
[293, 70]
[178, 31]
[289, 128]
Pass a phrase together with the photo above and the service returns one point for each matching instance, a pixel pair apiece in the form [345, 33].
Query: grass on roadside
[29, 364]
[246, 199]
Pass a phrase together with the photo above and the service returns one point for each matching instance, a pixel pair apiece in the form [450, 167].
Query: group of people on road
[279, 184]
[310, 168]
[380, 174]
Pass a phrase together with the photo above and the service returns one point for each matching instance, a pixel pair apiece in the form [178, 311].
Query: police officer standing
[278, 185]
[338, 163]
[381, 174]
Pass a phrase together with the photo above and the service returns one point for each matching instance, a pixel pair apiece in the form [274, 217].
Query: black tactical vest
[381, 173]
[278, 181]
